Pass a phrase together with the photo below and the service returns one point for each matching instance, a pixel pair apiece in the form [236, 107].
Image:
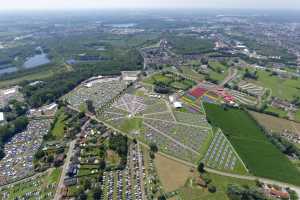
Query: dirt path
[179, 123]
[170, 110]
[231, 75]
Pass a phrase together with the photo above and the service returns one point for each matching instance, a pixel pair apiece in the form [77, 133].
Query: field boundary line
[235, 152]
[179, 123]
[174, 140]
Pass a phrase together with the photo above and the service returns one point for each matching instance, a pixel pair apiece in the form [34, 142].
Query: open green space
[158, 77]
[189, 72]
[280, 112]
[193, 192]
[59, 126]
[55, 175]
[218, 71]
[131, 124]
[297, 115]
[170, 80]
[260, 156]
[189, 45]
[284, 88]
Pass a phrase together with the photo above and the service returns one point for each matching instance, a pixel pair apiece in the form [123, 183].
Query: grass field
[219, 71]
[169, 78]
[281, 113]
[29, 77]
[192, 192]
[131, 124]
[282, 88]
[55, 175]
[276, 124]
[58, 129]
[176, 176]
[189, 72]
[260, 156]
[172, 174]
[297, 115]
[159, 78]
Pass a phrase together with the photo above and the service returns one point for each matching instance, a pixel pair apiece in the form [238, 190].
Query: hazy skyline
[102, 4]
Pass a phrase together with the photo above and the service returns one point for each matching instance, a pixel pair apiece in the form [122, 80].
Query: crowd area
[99, 92]
[19, 151]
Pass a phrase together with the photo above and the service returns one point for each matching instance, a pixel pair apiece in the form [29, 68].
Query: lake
[36, 60]
[8, 70]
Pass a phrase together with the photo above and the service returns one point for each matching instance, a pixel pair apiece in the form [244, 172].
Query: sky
[118, 4]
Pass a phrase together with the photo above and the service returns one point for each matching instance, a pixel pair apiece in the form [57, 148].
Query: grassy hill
[260, 156]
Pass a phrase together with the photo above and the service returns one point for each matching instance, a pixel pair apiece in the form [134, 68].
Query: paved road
[252, 178]
[64, 170]
[293, 187]
[67, 163]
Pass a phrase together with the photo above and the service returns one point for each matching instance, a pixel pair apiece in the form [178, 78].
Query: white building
[177, 104]
[1, 117]
[130, 75]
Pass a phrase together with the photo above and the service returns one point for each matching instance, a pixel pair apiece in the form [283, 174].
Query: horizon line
[146, 8]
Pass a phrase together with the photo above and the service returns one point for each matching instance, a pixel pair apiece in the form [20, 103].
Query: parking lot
[19, 151]
[99, 93]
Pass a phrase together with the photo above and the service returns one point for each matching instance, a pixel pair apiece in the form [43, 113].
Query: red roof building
[279, 194]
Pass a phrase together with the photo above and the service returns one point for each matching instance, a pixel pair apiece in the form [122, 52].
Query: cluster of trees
[191, 45]
[87, 185]
[42, 157]
[90, 106]
[16, 122]
[235, 192]
[8, 130]
[153, 150]
[162, 88]
[14, 109]
[61, 83]
[250, 75]
[280, 143]
[119, 144]
[284, 145]
[210, 79]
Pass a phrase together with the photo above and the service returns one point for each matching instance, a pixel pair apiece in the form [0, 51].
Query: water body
[8, 70]
[36, 60]
[101, 49]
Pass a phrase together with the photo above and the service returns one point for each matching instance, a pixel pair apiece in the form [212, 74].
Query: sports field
[260, 156]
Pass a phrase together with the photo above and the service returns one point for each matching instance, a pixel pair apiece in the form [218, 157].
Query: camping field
[260, 156]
